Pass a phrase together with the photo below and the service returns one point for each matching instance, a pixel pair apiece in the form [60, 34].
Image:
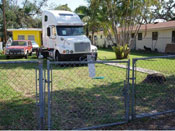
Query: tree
[84, 14]
[27, 16]
[125, 17]
[63, 7]
[165, 11]
[88, 16]
[121, 18]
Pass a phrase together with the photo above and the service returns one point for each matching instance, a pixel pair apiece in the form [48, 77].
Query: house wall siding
[26, 33]
[164, 37]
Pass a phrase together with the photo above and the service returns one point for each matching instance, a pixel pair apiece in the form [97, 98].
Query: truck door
[51, 33]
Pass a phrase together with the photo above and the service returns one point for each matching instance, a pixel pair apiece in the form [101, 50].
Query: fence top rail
[154, 57]
[18, 62]
[86, 62]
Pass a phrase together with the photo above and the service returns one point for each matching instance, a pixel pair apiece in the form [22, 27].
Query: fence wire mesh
[18, 95]
[154, 86]
[79, 100]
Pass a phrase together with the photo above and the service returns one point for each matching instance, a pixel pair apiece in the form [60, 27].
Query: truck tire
[96, 55]
[57, 56]
[37, 53]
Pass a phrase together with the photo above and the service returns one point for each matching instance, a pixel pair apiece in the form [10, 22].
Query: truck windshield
[19, 43]
[70, 30]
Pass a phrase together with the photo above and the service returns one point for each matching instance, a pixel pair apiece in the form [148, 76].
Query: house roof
[155, 26]
[158, 26]
[25, 29]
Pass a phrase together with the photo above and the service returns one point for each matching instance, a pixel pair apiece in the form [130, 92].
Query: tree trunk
[92, 37]
[87, 31]
[4, 23]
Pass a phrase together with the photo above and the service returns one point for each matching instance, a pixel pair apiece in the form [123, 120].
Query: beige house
[155, 36]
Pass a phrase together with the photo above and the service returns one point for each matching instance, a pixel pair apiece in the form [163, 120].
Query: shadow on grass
[87, 105]
[3, 58]
[79, 107]
[155, 97]
[71, 108]
[19, 114]
[146, 54]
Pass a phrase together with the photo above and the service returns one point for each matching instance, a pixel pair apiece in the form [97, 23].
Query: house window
[173, 36]
[21, 37]
[95, 37]
[31, 37]
[139, 36]
[154, 35]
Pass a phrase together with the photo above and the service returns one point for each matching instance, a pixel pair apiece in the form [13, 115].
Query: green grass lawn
[3, 58]
[164, 65]
[108, 54]
[17, 96]
[78, 100]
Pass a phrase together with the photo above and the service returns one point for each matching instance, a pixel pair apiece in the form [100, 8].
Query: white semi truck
[63, 36]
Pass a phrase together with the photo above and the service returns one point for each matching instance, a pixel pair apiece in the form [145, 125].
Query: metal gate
[20, 84]
[87, 95]
[153, 86]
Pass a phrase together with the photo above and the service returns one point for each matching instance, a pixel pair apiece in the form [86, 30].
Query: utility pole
[4, 23]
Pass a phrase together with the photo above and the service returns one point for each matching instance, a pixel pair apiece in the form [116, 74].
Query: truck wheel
[37, 53]
[57, 56]
[96, 55]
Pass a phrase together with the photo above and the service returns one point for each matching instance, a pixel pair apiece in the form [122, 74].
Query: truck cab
[64, 38]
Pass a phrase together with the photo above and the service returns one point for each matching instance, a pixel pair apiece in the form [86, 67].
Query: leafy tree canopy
[165, 11]
[63, 7]
[26, 16]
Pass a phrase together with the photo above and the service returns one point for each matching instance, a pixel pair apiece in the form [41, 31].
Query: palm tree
[88, 16]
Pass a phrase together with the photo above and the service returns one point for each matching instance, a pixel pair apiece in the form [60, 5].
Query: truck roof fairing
[66, 18]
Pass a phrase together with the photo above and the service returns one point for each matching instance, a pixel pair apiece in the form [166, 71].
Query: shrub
[121, 52]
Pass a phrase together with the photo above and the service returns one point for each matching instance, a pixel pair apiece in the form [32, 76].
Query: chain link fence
[153, 88]
[19, 96]
[86, 95]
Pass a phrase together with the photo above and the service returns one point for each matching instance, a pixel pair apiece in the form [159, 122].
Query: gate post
[133, 89]
[127, 90]
[41, 96]
[49, 97]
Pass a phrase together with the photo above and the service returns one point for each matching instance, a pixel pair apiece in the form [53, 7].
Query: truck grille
[82, 47]
[14, 51]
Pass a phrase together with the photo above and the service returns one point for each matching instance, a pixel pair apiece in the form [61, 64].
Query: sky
[72, 4]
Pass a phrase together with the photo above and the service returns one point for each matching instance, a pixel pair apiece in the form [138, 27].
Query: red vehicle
[22, 48]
